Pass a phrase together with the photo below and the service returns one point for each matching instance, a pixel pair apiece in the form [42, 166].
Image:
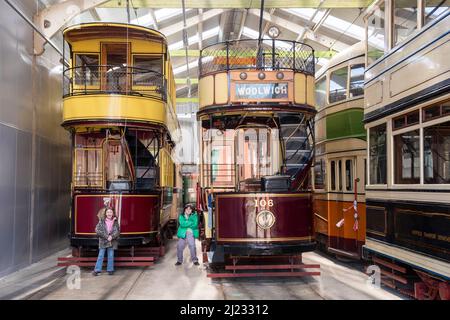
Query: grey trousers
[190, 241]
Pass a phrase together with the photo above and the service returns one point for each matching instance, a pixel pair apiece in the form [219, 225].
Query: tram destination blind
[261, 91]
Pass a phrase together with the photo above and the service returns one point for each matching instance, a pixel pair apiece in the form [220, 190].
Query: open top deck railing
[107, 79]
[265, 54]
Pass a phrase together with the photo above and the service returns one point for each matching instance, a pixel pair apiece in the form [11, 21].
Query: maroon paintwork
[138, 214]
[236, 213]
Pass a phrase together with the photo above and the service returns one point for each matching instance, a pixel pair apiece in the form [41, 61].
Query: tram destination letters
[261, 91]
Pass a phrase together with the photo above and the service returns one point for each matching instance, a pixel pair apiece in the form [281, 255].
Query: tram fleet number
[263, 203]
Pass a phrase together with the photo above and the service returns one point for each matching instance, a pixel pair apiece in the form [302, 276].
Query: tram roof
[351, 52]
[99, 30]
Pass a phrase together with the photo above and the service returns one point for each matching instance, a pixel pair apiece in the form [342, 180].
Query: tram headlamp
[261, 76]
[243, 75]
[280, 75]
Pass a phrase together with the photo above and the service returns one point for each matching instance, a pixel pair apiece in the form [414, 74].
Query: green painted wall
[346, 124]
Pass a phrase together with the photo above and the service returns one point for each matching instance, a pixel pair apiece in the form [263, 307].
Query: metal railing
[265, 54]
[107, 79]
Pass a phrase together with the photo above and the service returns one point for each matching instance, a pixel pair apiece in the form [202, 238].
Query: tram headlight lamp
[280, 75]
[261, 76]
[243, 75]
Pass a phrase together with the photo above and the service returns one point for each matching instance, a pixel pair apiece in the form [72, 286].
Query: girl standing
[108, 232]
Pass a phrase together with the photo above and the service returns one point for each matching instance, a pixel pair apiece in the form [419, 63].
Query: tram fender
[218, 255]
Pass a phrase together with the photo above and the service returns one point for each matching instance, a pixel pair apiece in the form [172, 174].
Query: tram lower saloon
[255, 169]
[116, 168]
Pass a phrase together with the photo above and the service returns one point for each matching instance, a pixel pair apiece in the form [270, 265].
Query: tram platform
[163, 280]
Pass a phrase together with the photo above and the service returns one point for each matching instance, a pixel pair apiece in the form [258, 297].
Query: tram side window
[86, 69]
[145, 67]
[437, 153]
[338, 85]
[356, 80]
[375, 35]
[404, 20]
[434, 9]
[321, 92]
[333, 175]
[340, 174]
[407, 157]
[319, 174]
[377, 155]
[88, 161]
[348, 175]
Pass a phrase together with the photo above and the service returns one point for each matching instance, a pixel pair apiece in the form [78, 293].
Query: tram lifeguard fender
[97, 107]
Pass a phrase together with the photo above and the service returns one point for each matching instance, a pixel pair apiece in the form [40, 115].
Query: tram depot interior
[311, 137]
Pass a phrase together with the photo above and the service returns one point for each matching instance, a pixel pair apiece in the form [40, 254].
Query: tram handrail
[244, 54]
[110, 79]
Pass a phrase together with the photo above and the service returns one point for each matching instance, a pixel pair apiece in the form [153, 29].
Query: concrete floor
[44, 280]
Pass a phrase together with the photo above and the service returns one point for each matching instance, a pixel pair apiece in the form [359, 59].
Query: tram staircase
[295, 134]
[144, 163]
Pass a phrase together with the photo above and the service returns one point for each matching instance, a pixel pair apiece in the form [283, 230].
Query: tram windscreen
[233, 156]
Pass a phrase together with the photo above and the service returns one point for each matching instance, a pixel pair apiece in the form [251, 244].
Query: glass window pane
[356, 80]
[333, 175]
[144, 68]
[412, 118]
[377, 154]
[338, 85]
[375, 35]
[407, 157]
[405, 19]
[349, 175]
[437, 153]
[321, 92]
[434, 9]
[399, 122]
[86, 69]
[340, 174]
[431, 112]
[319, 174]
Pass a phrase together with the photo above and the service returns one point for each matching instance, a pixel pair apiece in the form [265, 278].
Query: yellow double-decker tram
[119, 106]
[256, 113]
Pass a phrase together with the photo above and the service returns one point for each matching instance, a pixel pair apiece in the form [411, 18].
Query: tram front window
[118, 175]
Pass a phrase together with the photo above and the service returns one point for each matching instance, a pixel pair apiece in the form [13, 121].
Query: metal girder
[321, 39]
[241, 27]
[184, 100]
[200, 28]
[52, 19]
[241, 4]
[177, 27]
[320, 24]
[184, 81]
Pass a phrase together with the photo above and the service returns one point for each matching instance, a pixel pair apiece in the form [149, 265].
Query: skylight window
[194, 39]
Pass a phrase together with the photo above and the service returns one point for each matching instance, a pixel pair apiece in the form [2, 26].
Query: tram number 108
[263, 203]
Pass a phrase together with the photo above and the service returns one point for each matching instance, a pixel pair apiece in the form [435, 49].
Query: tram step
[272, 266]
[262, 274]
[394, 276]
[118, 261]
[389, 264]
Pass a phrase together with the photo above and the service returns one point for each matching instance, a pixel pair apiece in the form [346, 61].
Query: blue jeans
[190, 241]
[101, 255]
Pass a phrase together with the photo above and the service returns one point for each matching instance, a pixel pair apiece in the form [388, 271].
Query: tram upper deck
[256, 75]
[118, 73]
